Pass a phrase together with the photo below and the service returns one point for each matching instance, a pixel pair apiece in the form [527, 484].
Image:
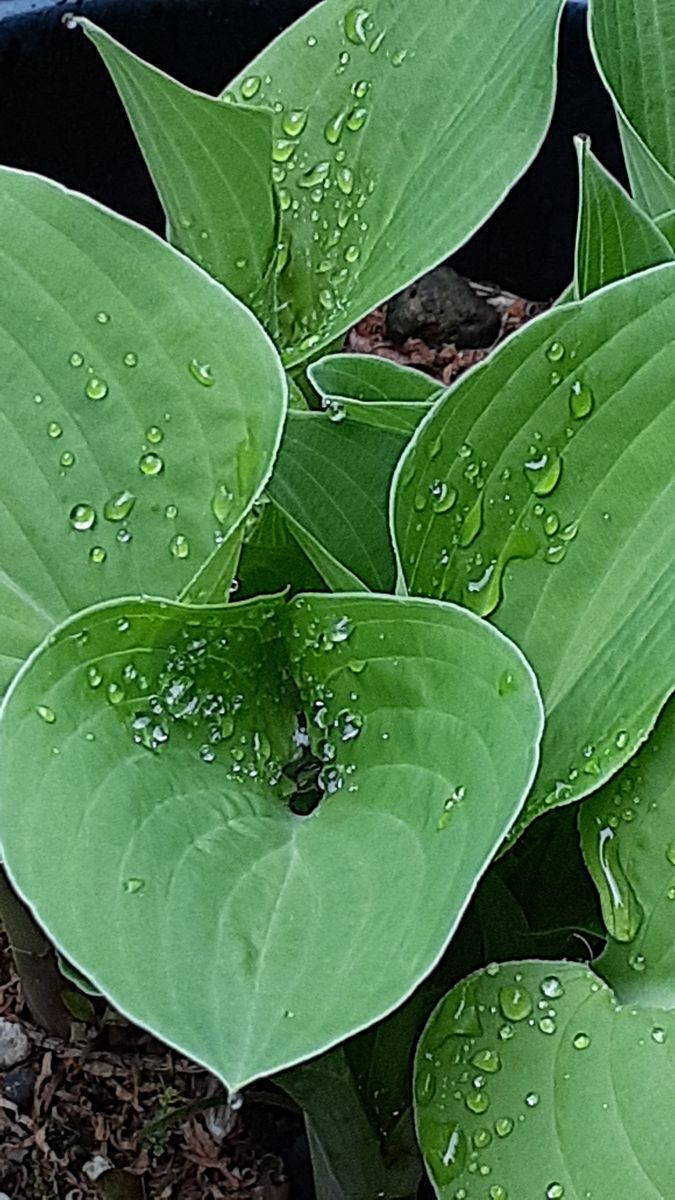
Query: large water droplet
[552, 988]
[45, 713]
[150, 464]
[118, 507]
[581, 1041]
[477, 1102]
[333, 130]
[360, 89]
[114, 693]
[179, 546]
[555, 352]
[555, 1191]
[250, 87]
[355, 24]
[581, 400]
[82, 517]
[221, 503]
[314, 175]
[544, 473]
[201, 371]
[357, 119]
[96, 389]
[503, 1127]
[515, 1003]
[283, 150]
[487, 1060]
[294, 121]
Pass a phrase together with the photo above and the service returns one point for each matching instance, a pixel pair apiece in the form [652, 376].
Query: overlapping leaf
[541, 491]
[137, 397]
[399, 128]
[143, 753]
[367, 377]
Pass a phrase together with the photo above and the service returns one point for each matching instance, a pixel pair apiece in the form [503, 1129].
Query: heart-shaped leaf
[211, 165]
[615, 238]
[628, 838]
[632, 41]
[540, 490]
[147, 753]
[137, 396]
[531, 1082]
[331, 482]
[385, 112]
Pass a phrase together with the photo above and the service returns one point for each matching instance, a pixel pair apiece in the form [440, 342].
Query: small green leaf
[392, 415]
[628, 838]
[615, 238]
[398, 131]
[331, 482]
[210, 162]
[141, 412]
[531, 1083]
[367, 377]
[540, 492]
[153, 747]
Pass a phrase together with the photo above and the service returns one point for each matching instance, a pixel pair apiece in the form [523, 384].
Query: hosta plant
[305, 659]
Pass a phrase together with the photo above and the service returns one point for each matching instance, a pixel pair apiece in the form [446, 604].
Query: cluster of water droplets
[111, 515]
[322, 178]
[461, 1116]
[453, 513]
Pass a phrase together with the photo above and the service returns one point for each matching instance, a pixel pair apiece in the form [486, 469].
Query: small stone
[96, 1166]
[442, 308]
[14, 1045]
[17, 1086]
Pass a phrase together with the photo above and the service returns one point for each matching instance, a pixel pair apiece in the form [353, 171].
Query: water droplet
[311, 41]
[46, 714]
[425, 1087]
[621, 739]
[487, 1060]
[503, 1127]
[123, 535]
[532, 1099]
[357, 665]
[552, 988]
[472, 524]
[314, 175]
[95, 388]
[444, 500]
[507, 683]
[103, 318]
[670, 854]
[340, 631]
[201, 372]
[552, 524]
[333, 130]
[82, 517]
[179, 546]
[130, 359]
[294, 121]
[355, 23]
[154, 435]
[118, 507]
[581, 1041]
[377, 42]
[357, 119]
[171, 512]
[283, 150]
[133, 886]
[555, 554]
[221, 504]
[544, 474]
[97, 554]
[581, 400]
[515, 1003]
[54, 429]
[659, 1035]
[547, 1025]
[477, 1102]
[360, 89]
[348, 725]
[94, 677]
[555, 352]
[352, 254]
[150, 464]
[76, 359]
[569, 532]
[250, 87]
[67, 459]
[555, 1191]
[398, 58]
[114, 693]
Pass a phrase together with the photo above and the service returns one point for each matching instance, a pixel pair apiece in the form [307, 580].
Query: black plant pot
[60, 115]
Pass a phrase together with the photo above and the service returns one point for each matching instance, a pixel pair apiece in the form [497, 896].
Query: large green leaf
[211, 165]
[144, 746]
[541, 491]
[532, 1083]
[633, 42]
[136, 396]
[367, 377]
[628, 838]
[331, 481]
[399, 128]
[615, 238]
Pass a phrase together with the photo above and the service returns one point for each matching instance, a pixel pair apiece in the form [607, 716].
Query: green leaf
[272, 561]
[233, 928]
[632, 43]
[135, 388]
[614, 238]
[666, 223]
[403, 129]
[367, 377]
[531, 1082]
[393, 415]
[331, 482]
[628, 838]
[540, 491]
[210, 163]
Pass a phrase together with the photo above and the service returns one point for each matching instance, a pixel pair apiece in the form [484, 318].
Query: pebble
[14, 1045]
[96, 1167]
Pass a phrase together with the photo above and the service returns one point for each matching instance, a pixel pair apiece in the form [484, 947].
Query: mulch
[74, 1110]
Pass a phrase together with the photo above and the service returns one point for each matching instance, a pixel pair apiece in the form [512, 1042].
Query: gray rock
[14, 1045]
[440, 308]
